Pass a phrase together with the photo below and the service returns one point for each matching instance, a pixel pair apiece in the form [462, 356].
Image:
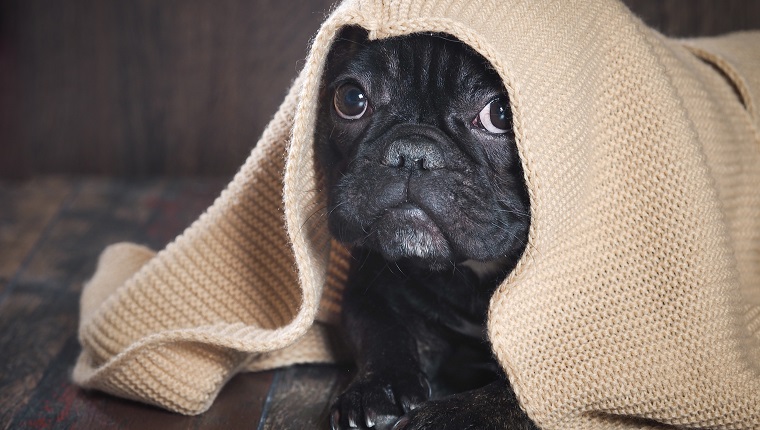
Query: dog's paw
[482, 409]
[377, 401]
[448, 414]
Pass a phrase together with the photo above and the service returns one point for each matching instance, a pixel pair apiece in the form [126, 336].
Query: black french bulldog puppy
[415, 140]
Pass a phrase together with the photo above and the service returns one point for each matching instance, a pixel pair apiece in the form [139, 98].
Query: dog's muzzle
[414, 152]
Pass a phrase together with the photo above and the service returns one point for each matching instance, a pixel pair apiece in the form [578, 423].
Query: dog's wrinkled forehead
[418, 69]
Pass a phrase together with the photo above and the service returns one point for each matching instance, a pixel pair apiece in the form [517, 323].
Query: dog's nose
[413, 153]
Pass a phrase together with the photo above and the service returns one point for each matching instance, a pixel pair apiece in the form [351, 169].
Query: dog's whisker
[512, 211]
[341, 203]
[319, 210]
[410, 299]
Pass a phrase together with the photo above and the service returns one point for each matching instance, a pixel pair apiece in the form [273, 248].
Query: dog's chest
[455, 301]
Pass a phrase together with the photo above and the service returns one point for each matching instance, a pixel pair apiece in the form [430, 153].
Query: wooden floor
[51, 232]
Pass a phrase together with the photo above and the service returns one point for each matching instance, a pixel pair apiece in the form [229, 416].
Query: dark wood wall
[183, 87]
[145, 87]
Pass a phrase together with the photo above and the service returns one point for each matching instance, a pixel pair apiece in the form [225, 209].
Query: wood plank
[301, 397]
[144, 87]
[25, 210]
[691, 18]
[34, 326]
[183, 87]
[39, 314]
[58, 404]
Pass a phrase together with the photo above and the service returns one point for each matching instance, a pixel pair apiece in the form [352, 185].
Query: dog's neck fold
[632, 304]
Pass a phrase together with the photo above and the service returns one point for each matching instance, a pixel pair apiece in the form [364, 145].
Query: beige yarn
[637, 302]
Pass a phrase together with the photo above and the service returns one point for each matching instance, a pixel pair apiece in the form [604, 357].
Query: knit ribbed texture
[637, 302]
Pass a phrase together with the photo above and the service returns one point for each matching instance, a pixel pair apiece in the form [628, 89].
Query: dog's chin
[407, 233]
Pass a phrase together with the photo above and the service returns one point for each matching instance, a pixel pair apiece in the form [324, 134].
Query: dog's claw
[401, 423]
[407, 404]
[370, 417]
[335, 419]
[369, 403]
[352, 420]
[425, 383]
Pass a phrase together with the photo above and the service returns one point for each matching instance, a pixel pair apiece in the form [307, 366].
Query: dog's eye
[495, 116]
[350, 101]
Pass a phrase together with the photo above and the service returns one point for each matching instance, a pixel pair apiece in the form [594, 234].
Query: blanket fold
[637, 301]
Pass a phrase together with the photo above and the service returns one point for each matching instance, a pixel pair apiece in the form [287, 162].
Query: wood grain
[25, 211]
[691, 18]
[39, 313]
[144, 87]
[301, 396]
[39, 305]
[184, 87]
[57, 404]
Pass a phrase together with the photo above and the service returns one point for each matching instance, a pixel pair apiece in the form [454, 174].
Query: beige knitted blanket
[637, 302]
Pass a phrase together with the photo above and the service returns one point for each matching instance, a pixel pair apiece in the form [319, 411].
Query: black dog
[416, 144]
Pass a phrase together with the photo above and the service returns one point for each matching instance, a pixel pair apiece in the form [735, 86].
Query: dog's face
[415, 140]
